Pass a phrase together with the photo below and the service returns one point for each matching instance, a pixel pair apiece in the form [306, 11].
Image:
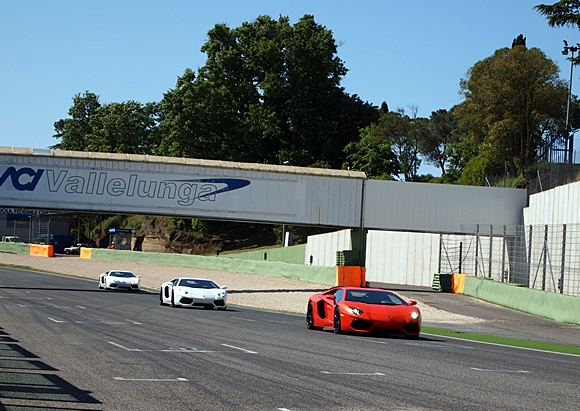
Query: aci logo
[96, 184]
[31, 180]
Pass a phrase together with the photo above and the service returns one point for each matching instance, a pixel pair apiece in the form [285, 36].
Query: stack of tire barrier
[348, 258]
[443, 283]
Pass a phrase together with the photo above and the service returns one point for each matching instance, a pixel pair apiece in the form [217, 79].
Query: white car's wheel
[172, 303]
[161, 297]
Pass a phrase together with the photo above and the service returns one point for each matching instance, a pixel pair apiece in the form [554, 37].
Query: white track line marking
[352, 373]
[96, 322]
[101, 322]
[241, 349]
[122, 346]
[244, 319]
[187, 350]
[509, 371]
[180, 349]
[151, 379]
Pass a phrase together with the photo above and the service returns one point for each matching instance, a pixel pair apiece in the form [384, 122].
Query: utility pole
[569, 139]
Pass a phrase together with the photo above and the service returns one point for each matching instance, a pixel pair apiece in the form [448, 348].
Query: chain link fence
[31, 226]
[547, 176]
[543, 257]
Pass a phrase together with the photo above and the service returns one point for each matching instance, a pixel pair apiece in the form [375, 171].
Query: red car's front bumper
[381, 323]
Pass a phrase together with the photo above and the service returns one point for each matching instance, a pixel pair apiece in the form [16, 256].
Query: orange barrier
[458, 283]
[42, 250]
[86, 252]
[351, 276]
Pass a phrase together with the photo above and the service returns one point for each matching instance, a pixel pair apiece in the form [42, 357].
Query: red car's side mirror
[412, 302]
[331, 297]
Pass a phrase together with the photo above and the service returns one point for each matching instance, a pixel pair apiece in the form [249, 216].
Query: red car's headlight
[414, 315]
[355, 311]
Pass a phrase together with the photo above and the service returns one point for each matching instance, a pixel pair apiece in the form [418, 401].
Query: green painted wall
[558, 307]
[15, 248]
[314, 274]
[290, 255]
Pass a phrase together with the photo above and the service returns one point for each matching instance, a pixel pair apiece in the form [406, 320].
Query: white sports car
[119, 279]
[189, 292]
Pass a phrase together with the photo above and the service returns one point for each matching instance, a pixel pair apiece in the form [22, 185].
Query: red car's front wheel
[310, 318]
[336, 328]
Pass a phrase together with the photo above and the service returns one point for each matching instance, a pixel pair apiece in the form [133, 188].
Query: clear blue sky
[402, 52]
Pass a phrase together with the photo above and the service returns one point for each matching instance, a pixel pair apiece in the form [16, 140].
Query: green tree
[403, 133]
[511, 99]
[373, 155]
[389, 147]
[269, 92]
[562, 13]
[128, 127]
[458, 155]
[435, 135]
[519, 41]
[75, 131]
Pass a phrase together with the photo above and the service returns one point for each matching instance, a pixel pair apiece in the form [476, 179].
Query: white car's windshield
[124, 274]
[194, 283]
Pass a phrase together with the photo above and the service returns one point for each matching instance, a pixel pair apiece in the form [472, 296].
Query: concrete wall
[323, 247]
[557, 307]
[314, 274]
[291, 255]
[402, 258]
[15, 248]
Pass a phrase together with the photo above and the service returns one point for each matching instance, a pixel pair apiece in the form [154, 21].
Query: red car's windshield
[374, 297]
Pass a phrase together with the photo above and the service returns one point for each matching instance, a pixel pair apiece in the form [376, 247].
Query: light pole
[569, 139]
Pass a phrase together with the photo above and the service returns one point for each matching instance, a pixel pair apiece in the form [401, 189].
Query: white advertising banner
[160, 186]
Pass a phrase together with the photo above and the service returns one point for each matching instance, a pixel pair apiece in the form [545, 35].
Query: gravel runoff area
[249, 290]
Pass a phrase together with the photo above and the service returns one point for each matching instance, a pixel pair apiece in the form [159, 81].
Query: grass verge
[513, 342]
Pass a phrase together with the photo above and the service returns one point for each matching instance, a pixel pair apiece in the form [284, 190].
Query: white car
[119, 279]
[75, 249]
[189, 292]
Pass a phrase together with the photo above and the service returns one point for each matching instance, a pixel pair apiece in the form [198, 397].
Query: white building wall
[560, 205]
[393, 205]
[323, 247]
[401, 257]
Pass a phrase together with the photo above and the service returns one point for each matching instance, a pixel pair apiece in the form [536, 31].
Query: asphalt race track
[66, 345]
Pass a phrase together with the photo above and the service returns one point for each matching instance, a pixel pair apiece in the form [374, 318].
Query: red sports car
[364, 310]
